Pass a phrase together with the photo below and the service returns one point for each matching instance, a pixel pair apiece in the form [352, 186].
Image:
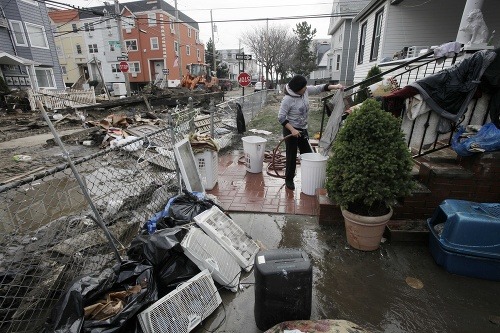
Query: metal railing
[421, 134]
[51, 230]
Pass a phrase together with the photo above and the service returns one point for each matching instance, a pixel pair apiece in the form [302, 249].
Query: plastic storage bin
[254, 148]
[312, 172]
[208, 165]
[229, 235]
[464, 238]
[283, 287]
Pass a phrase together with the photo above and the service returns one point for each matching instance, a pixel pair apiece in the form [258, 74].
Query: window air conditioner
[128, 30]
[172, 30]
[134, 74]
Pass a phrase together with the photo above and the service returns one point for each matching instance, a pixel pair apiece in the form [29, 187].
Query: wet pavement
[367, 288]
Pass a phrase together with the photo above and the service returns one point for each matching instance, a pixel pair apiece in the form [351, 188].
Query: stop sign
[124, 66]
[244, 79]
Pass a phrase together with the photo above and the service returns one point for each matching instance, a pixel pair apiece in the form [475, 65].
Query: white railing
[61, 99]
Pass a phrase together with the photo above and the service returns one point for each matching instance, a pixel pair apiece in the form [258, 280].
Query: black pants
[292, 143]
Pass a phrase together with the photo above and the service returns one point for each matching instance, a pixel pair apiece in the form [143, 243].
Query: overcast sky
[256, 11]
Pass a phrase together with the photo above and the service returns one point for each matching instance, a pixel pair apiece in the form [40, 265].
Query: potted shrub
[369, 169]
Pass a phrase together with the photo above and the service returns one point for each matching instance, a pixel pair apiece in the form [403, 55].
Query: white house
[343, 31]
[387, 27]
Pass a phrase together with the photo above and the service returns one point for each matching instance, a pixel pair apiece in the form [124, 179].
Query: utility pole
[123, 47]
[213, 44]
[179, 55]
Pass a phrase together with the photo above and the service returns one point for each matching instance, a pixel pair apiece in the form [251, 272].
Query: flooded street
[366, 288]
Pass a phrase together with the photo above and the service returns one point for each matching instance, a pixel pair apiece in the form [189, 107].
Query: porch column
[462, 36]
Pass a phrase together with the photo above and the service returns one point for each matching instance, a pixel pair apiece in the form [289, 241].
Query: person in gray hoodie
[293, 115]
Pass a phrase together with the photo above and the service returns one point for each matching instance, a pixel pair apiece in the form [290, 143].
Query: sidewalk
[242, 191]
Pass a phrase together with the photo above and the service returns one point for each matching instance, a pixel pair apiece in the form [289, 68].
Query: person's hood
[291, 92]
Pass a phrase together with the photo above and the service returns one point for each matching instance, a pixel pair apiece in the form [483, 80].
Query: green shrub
[362, 93]
[4, 88]
[370, 166]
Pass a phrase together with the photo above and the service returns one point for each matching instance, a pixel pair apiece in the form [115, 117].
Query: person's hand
[295, 133]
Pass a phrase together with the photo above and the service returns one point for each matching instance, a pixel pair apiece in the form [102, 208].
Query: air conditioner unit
[134, 74]
[128, 30]
[229, 235]
[172, 30]
[207, 254]
[184, 308]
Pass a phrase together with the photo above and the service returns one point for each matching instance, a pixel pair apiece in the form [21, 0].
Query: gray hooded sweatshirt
[294, 108]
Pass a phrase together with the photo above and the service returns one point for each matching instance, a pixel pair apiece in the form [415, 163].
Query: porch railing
[60, 99]
[421, 135]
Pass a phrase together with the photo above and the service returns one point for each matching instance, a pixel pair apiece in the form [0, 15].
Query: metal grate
[207, 254]
[229, 235]
[184, 308]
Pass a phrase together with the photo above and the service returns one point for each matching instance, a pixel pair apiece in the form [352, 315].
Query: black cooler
[283, 287]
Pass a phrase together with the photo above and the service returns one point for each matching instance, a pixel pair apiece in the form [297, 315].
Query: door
[157, 67]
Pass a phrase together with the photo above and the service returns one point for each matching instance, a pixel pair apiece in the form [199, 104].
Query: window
[176, 48]
[63, 70]
[337, 66]
[93, 48]
[111, 47]
[197, 36]
[36, 35]
[78, 49]
[340, 38]
[18, 32]
[362, 43]
[134, 67]
[197, 53]
[151, 19]
[88, 26]
[377, 31]
[154, 43]
[189, 32]
[131, 45]
[115, 68]
[130, 22]
[172, 26]
[59, 51]
[188, 50]
[45, 78]
[330, 63]
[108, 24]
[74, 27]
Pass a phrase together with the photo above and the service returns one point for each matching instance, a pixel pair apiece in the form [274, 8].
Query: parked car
[259, 86]
[225, 84]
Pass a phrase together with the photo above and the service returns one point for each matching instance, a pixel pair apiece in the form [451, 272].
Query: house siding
[349, 50]
[413, 23]
[28, 13]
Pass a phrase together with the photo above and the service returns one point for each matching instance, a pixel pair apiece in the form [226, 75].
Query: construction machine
[198, 77]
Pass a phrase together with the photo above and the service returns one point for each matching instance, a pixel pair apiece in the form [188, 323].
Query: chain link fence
[79, 218]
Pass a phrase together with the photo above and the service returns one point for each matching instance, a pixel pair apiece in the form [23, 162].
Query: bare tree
[273, 48]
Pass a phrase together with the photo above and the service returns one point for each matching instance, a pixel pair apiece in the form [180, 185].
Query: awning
[9, 59]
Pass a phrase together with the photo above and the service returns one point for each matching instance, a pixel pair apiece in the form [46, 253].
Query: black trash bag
[68, 314]
[164, 252]
[187, 206]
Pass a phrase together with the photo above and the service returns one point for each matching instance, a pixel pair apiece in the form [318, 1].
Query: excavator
[198, 77]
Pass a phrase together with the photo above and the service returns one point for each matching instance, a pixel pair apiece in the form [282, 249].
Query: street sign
[122, 58]
[244, 79]
[242, 56]
[123, 66]
[165, 71]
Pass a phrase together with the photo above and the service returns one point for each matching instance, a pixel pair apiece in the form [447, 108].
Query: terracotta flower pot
[364, 232]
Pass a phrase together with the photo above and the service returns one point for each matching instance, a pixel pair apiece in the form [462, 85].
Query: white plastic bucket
[313, 172]
[254, 148]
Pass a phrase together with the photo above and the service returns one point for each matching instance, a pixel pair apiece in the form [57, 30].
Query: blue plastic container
[465, 238]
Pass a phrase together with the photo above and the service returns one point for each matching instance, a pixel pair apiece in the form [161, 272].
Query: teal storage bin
[465, 238]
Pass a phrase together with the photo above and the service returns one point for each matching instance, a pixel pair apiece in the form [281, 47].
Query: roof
[368, 9]
[10, 59]
[140, 6]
